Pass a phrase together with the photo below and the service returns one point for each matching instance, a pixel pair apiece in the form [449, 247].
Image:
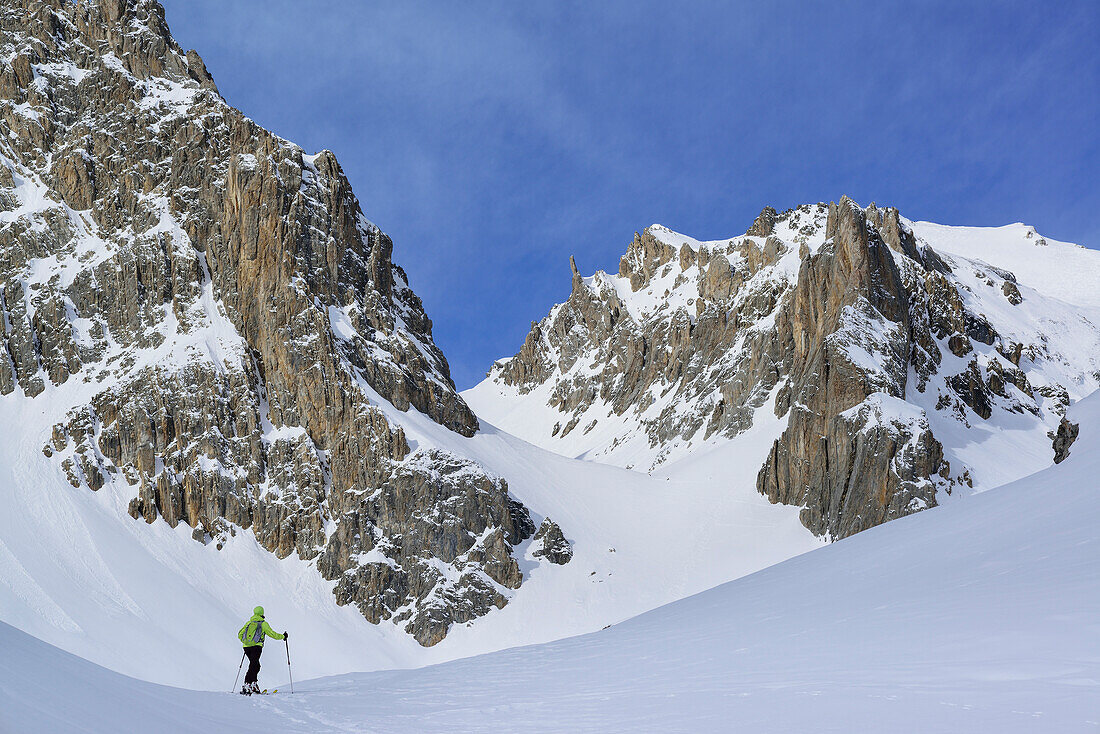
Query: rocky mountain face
[885, 359]
[216, 322]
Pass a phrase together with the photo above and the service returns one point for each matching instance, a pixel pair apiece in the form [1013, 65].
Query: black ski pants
[253, 654]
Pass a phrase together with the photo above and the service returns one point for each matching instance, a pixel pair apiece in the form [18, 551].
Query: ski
[264, 692]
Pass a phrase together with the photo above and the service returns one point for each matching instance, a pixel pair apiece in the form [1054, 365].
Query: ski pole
[288, 670]
[234, 688]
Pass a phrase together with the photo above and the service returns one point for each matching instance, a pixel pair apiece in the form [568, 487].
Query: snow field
[979, 616]
[148, 601]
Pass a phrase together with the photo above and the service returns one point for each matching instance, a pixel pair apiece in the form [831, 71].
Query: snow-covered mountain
[217, 389]
[201, 318]
[908, 361]
[975, 617]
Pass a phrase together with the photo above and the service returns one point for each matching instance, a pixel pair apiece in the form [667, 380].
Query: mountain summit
[904, 364]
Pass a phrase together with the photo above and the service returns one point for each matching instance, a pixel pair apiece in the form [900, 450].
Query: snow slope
[1060, 312]
[1060, 269]
[148, 601]
[978, 616]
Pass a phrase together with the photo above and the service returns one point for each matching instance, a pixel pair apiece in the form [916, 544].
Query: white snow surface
[978, 616]
[1059, 269]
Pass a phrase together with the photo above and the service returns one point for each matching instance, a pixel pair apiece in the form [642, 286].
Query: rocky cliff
[899, 372]
[220, 322]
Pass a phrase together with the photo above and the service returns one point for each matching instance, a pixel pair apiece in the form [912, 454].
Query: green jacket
[255, 630]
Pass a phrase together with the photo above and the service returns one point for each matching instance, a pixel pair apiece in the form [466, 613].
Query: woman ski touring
[252, 636]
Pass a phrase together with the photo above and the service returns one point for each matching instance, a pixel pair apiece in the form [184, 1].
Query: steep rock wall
[223, 319]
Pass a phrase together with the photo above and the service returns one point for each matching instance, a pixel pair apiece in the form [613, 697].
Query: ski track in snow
[978, 616]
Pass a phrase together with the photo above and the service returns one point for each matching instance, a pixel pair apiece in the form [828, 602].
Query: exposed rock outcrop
[598, 348]
[1063, 438]
[227, 324]
[550, 543]
[850, 301]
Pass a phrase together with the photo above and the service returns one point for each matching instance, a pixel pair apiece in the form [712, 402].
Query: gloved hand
[286, 635]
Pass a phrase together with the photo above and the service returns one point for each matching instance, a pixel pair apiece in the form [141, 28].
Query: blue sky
[493, 140]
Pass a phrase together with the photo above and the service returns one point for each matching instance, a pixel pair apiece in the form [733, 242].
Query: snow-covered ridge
[664, 285]
[676, 354]
[1056, 269]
